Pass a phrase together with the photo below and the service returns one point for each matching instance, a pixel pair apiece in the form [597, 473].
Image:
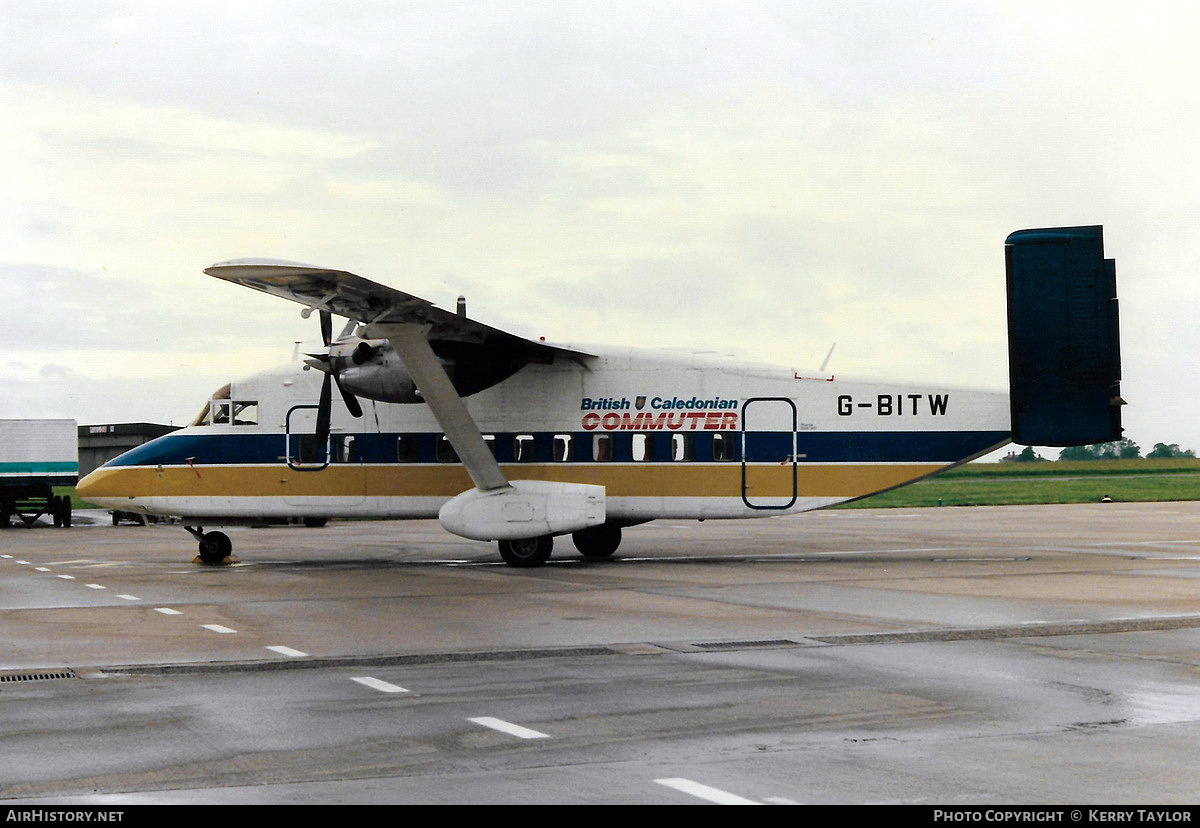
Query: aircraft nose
[86, 488]
[98, 487]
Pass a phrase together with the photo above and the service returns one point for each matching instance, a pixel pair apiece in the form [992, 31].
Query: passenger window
[445, 452]
[489, 440]
[311, 450]
[406, 448]
[602, 447]
[523, 448]
[643, 447]
[343, 449]
[724, 447]
[562, 448]
[682, 446]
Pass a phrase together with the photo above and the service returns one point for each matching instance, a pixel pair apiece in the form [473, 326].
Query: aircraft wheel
[215, 547]
[527, 552]
[597, 541]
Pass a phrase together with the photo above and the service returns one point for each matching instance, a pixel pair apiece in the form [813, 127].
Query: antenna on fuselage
[828, 356]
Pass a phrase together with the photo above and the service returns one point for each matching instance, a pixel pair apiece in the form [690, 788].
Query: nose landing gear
[215, 547]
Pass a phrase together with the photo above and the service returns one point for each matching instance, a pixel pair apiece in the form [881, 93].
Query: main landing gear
[593, 543]
[598, 541]
[215, 547]
[526, 552]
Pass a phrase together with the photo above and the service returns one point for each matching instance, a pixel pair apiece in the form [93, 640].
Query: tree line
[1116, 450]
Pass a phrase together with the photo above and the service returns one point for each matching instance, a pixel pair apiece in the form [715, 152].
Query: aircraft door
[305, 452]
[338, 480]
[769, 453]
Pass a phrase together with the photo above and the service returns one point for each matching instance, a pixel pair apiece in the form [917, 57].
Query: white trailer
[35, 456]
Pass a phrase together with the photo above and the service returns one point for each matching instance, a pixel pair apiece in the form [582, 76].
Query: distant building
[1026, 455]
[100, 443]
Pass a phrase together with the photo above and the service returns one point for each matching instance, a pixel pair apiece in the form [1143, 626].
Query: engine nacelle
[372, 369]
[525, 509]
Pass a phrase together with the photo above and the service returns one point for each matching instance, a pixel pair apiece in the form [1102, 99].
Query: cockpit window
[205, 417]
[221, 410]
[245, 412]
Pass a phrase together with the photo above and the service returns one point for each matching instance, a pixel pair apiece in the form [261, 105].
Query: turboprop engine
[369, 369]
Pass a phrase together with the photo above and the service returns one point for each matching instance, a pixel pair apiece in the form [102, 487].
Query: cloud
[765, 178]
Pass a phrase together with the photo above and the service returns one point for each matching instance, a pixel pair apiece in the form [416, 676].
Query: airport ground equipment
[36, 456]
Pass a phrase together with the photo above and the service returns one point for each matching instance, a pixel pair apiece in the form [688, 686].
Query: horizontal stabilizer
[1063, 338]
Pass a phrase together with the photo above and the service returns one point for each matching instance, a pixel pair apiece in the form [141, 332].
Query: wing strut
[451, 412]
[495, 509]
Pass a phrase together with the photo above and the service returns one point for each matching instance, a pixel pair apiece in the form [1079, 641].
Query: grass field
[76, 501]
[997, 484]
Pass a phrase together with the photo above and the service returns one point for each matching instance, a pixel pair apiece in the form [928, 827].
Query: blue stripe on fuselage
[812, 447]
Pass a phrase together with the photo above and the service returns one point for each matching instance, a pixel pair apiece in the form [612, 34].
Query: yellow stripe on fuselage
[421, 480]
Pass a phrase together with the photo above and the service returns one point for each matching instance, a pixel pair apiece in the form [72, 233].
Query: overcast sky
[758, 178]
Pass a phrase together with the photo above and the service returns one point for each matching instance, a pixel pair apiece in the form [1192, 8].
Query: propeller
[331, 376]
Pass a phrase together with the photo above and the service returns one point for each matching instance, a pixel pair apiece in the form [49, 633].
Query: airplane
[507, 439]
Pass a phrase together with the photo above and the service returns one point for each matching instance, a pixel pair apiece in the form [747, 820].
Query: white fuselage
[666, 436]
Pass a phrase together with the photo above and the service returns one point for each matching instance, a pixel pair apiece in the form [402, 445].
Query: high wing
[415, 327]
[351, 296]
[421, 333]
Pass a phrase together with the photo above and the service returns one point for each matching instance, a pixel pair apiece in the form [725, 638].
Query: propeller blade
[352, 404]
[323, 410]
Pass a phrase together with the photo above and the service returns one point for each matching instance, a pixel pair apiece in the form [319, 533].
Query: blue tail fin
[1064, 356]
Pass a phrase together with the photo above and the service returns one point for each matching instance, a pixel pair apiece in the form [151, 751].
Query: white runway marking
[42, 568]
[66, 577]
[704, 792]
[287, 651]
[217, 628]
[378, 684]
[129, 597]
[95, 586]
[509, 728]
[167, 611]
